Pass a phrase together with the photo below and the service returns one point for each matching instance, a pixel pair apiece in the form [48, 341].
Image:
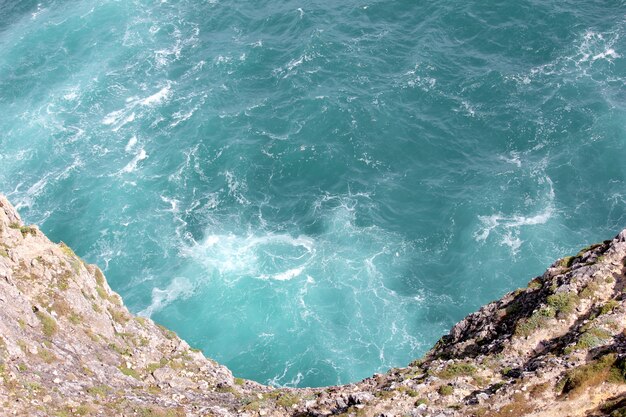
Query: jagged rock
[359, 398]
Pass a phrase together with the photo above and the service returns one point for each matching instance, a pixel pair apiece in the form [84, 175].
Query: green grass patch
[75, 261]
[102, 293]
[526, 326]
[156, 365]
[155, 411]
[608, 368]
[457, 369]
[46, 355]
[49, 325]
[119, 316]
[563, 303]
[99, 277]
[166, 332]
[129, 371]
[99, 390]
[567, 261]
[535, 284]
[591, 338]
[590, 290]
[28, 230]
[445, 390]
[408, 391]
[25, 230]
[288, 400]
[609, 306]
[63, 280]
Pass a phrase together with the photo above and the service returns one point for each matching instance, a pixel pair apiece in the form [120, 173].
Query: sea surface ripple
[314, 191]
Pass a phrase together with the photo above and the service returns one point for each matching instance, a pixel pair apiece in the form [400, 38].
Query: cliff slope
[68, 346]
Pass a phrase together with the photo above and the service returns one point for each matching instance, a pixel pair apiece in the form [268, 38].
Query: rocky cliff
[68, 346]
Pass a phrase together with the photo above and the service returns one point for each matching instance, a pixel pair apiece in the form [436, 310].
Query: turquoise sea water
[314, 191]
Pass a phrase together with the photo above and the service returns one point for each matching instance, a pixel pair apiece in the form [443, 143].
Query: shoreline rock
[68, 346]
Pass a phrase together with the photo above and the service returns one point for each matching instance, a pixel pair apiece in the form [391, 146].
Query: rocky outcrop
[68, 346]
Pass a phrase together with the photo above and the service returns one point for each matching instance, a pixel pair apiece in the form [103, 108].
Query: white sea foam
[236, 188]
[131, 143]
[608, 53]
[508, 226]
[514, 159]
[157, 98]
[71, 95]
[172, 202]
[132, 165]
[289, 274]
[112, 117]
[262, 257]
[136, 108]
[588, 48]
[179, 288]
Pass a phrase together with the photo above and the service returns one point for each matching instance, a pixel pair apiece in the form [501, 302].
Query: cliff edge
[68, 346]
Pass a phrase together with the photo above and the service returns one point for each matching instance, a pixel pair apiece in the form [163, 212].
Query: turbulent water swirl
[311, 192]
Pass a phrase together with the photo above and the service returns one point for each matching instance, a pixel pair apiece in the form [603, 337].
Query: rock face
[68, 346]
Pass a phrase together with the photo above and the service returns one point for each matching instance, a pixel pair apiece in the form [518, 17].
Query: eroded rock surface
[68, 346]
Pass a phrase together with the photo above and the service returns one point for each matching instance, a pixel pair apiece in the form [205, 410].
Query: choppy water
[313, 191]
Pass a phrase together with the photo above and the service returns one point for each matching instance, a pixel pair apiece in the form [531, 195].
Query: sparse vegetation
[99, 277]
[129, 371]
[61, 307]
[252, 405]
[63, 280]
[25, 230]
[457, 369]
[590, 290]
[67, 250]
[155, 411]
[567, 261]
[46, 355]
[226, 389]
[519, 406]
[287, 400]
[408, 391]
[99, 390]
[563, 303]
[75, 261]
[49, 325]
[591, 338]
[119, 316]
[607, 368]
[445, 390]
[609, 306]
[156, 365]
[166, 332]
[102, 293]
[75, 318]
[526, 326]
